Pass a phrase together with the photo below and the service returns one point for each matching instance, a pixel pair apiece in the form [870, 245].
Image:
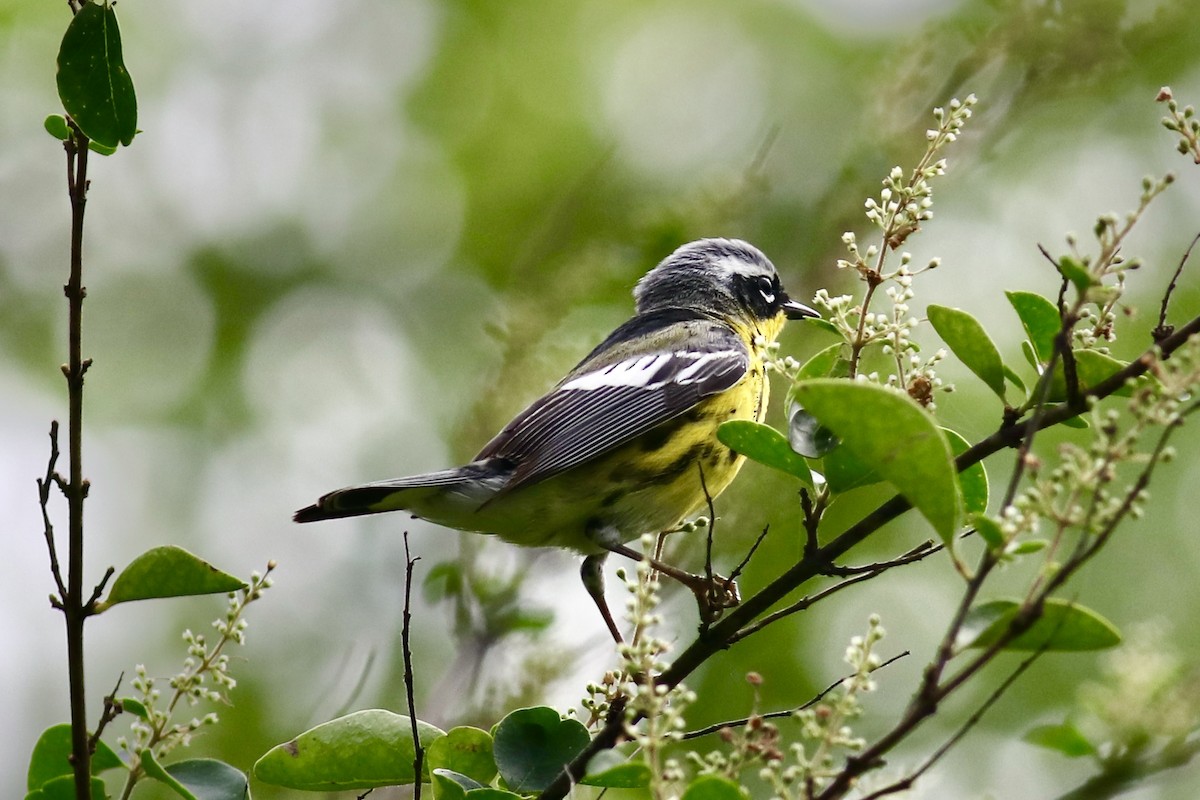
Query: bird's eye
[766, 288]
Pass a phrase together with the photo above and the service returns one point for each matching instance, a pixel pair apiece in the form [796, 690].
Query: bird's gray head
[727, 277]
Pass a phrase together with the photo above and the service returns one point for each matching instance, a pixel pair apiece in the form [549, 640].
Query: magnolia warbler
[626, 443]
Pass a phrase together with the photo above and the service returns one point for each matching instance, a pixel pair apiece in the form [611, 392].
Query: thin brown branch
[406, 647]
[1163, 330]
[737, 571]
[89, 607]
[44, 485]
[76, 488]
[737, 723]
[804, 603]
[907, 782]
[111, 709]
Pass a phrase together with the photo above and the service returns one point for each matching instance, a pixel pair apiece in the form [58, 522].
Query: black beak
[794, 310]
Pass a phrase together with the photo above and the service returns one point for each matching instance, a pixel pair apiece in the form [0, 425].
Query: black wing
[607, 401]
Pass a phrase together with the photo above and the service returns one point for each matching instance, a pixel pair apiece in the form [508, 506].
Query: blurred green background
[354, 238]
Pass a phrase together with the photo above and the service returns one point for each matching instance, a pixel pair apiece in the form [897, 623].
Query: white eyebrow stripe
[736, 265]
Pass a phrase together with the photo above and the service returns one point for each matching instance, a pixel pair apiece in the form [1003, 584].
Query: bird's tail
[472, 485]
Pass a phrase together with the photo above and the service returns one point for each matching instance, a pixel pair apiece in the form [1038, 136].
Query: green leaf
[210, 779]
[133, 706]
[612, 769]
[972, 481]
[1015, 379]
[822, 324]
[1091, 369]
[533, 744]
[1063, 626]
[63, 788]
[93, 84]
[845, 471]
[168, 571]
[1076, 273]
[1028, 546]
[764, 444]
[822, 364]
[102, 149]
[1040, 319]
[967, 339]
[465, 751]
[713, 787]
[56, 126]
[1065, 738]
[988, 530]
[51, 757]
[443, 580]
[451, 785]
[897, 437]
[155, 770]
[363, 750]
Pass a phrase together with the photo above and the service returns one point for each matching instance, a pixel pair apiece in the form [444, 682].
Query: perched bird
[626, 443]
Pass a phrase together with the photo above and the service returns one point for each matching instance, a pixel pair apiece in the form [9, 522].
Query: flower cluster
[1087, 490]
[1182, 122]
[659, 707]
[204, 678]
[904, 202]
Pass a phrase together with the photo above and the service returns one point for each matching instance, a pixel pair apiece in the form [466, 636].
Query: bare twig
[907, 782]
[737, 723]
[76, 487]
[1163, 330]
[111, 709]
[737, 571]
[804, 603]
[406, 646]
[44, 485]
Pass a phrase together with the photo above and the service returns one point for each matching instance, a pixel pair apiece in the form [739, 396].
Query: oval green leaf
[464, 751]
[822, 364]
[612, 769]
[168, 571]
[988, 530]
[363, 750]
[155, 770]
[845, 471]
[56, 126]
[713, 787]
[967, 339]
[972, 481]
[764, 444]
[93, 84]
[1076, 273]
[210, 779]
[893, 434]
[1063, 626]
[51, 757]
[451, 785]
[1064, 738]
[532, 745]
[63, 788]
[1040, 319]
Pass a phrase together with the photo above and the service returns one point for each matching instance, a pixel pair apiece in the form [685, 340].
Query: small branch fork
[740, 621]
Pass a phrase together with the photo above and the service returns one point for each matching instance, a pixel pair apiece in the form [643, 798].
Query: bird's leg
[713, 595]
[592, 573]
